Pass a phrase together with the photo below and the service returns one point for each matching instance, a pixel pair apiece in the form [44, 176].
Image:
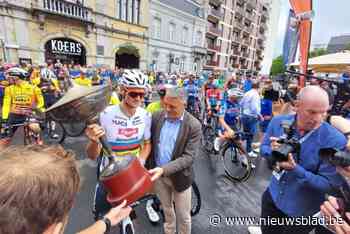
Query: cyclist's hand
[156, 173]
[118, 213]
[231, 133]
[94, 132]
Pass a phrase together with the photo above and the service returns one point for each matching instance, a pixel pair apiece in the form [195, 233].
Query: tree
[347, 47]
[317, 52]
[277, 66]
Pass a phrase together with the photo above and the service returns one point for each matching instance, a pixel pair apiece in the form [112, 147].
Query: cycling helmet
[133, 79]
[161, 90]
[234, 93]
[18, 72]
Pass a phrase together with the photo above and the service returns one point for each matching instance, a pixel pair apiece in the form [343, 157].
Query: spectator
[38, 187]
[251, 108]
[175, 141]
[299, 187]
[247, 85]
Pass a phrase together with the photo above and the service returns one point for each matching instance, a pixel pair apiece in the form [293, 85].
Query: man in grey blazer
[175, 142]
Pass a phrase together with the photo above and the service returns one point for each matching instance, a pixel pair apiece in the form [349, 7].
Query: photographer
[333, 207]
[303, 179]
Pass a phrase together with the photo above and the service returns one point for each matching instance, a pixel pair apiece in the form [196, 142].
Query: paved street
[219, 195]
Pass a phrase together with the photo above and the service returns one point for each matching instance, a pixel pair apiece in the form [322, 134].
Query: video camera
[289, 143]
[335, 157]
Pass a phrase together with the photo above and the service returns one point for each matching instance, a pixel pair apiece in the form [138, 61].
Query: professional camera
[289, 143]
[335, 157]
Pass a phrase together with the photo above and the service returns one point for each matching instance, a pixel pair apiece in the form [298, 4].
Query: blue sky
[331, 18]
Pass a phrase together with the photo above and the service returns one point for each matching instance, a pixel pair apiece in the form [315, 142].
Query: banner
[291, 39]
[303, 11]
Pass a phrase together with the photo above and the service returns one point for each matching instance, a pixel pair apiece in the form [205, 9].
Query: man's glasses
[136, 94]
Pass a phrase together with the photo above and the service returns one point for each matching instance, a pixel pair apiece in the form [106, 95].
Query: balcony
[240, 11]
[239, 25]
[199, 50]
[252, 3]
[216, 2]
[248, 29]
[63, 8]
[250, 16]
[245, 41]
[211, 63]
[214, 31]
[215, 14]
[236, 52]
[245, 54]
[213, 48]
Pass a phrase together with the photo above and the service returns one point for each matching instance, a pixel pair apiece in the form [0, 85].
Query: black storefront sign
[66, 50]
[66, 47]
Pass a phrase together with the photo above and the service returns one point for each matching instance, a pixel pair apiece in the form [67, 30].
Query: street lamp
[2, 44]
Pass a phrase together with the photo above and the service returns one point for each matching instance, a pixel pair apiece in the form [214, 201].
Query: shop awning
[330, 63]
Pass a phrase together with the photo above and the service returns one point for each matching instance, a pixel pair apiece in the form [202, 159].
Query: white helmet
[133, 79]
[235, 92]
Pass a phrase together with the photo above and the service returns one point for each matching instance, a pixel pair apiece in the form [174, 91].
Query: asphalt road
[219, 195]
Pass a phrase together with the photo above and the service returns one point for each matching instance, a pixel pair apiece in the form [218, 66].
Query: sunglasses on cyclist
[136, 94]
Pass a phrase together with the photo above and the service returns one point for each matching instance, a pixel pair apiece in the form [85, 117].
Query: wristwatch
[108, 223]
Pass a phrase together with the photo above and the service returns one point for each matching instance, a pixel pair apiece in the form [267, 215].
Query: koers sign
[64, 46]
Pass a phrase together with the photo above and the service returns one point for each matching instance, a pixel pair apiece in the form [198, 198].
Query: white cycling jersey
[126, 134]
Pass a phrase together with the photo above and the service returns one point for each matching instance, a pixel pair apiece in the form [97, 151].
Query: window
[137, 12]
[156, 27]
[123, 9]
[184, 35]
[118, 9]
[199, 38]
[171, 32]
[128, 10]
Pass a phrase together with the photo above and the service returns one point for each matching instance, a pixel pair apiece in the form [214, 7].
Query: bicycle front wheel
[196, 199]
[237, 164]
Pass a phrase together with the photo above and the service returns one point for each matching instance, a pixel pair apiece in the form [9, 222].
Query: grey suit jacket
[187, 144]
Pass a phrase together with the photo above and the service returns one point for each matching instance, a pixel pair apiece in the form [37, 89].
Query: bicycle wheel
[208, 139]
[237, 164]
[196, 199]
[55, 132]
[74, 130]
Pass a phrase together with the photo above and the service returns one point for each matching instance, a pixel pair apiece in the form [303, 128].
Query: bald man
[299, 187]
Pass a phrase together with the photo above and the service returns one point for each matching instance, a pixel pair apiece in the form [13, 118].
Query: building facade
[272, 35]
[75, 31]
[338, 44]
[177, 32]
[236, 34]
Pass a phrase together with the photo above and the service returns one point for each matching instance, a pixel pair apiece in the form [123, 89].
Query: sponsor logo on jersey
[128, 132]
[119, 122]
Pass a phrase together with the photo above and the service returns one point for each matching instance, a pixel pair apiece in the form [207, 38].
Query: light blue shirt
[250, 103]
[168, 136]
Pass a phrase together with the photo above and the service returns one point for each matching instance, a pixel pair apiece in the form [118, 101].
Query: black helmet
[18, 72]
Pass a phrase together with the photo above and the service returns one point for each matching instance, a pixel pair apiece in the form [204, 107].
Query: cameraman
[334, 206]
[299, 188]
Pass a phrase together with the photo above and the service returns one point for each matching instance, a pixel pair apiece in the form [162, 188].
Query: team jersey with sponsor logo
[126, 134]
